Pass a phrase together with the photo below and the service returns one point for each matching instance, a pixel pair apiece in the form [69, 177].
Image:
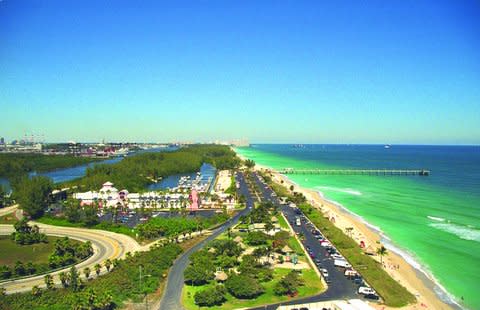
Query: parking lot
[323, 254]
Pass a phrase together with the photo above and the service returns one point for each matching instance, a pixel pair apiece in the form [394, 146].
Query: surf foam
[340, 190]
[463, 232]
[434, 218]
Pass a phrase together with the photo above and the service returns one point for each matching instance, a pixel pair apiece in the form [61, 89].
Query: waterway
[72, 173]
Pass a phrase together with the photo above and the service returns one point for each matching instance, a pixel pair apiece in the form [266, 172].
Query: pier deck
[421, 172]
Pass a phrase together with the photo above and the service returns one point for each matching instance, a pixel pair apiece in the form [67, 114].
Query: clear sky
[279, 71]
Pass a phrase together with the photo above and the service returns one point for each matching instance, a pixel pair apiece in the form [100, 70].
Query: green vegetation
[107, 292]
[168, 227]
[311, 286]
[249, 279]
[136, 172]
[5, 199]
[26, 234]
[14, 165]
[289, 284]
[243, 286]
[249, 163]
[33, 195]
[20, 260]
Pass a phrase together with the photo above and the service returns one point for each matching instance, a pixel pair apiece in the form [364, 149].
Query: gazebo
[238, 239]
[286, 249]
[221, 276]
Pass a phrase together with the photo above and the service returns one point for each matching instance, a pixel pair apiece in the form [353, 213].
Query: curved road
[173, 290]
[106, 245]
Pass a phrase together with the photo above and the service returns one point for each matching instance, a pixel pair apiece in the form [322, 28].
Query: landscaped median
[246, 267]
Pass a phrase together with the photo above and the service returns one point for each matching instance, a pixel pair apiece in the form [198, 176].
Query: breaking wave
[340, 190]
[463, 232]
[434, 218]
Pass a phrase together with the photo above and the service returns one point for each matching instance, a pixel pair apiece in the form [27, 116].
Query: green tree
[74, 279]
[63, 278]
[249, 163]
[243, 287]
[108, 264]
[98, 268]
[209, 297]
[5, 272]
[48, 278]
[382, 251]
[33, 195]
[36, 291]
[197, 274]
[289, 284]
[20, 269]
[86, 272]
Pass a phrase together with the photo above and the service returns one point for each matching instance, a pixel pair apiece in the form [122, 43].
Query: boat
[387, 146]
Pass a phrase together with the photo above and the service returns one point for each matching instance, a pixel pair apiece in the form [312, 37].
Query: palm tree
[98, 268]
[349, 231]
[86, 272]
[49, 281]
[36, 290]
[382, 251]
[108, 264]
[63, 278]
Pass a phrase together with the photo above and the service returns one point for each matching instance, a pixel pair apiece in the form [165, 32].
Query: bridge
[421, 172]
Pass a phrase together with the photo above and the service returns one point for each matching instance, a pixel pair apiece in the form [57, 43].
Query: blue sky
[279, 71]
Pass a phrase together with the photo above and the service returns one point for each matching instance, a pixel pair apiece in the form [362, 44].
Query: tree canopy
[33, 195]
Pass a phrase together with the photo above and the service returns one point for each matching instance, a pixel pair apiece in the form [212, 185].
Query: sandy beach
[400, 270]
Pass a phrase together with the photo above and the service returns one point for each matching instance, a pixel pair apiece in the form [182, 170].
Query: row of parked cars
[340, 262]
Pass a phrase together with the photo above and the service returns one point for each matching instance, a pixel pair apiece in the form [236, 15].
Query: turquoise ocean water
[434, 221]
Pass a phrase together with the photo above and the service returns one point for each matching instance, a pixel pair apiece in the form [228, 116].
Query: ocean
[433, 221]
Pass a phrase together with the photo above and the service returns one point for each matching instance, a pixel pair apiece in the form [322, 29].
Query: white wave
[340, 190]
[410, 258]
[460, 231]
[434, 218]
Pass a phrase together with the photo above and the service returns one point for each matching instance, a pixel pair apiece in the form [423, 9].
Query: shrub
[209, 297]
[289, 284]
[243, 287]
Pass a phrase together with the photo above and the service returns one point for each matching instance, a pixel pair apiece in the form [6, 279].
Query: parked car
[366, 290]
[341, 263]
[324, 272]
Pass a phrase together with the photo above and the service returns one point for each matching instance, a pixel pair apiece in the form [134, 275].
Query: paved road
[106, 245]
[339, 287]
[7, 210]
[173, 290]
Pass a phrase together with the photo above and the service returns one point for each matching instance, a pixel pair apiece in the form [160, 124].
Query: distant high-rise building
[2, 141]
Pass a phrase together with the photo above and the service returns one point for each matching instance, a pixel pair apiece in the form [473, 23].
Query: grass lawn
[312, 286]
[8, 219]
[36, 253]
[282, 222]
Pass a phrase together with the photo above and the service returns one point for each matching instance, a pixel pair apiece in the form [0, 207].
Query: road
[7, 210]
[173, 289]
[106, 245]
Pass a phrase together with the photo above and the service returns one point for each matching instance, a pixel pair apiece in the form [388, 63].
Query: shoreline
[404, 270]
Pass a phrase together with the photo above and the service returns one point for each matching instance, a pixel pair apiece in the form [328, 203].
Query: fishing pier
[420, 172]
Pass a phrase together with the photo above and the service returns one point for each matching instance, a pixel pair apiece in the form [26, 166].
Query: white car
[365, 290]
[324, 272]
[337, 256]
[325, 243]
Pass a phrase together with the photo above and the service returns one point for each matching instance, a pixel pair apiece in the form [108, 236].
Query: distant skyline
[399, 72]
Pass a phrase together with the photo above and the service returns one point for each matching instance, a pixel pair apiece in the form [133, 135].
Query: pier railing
[421, 172]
